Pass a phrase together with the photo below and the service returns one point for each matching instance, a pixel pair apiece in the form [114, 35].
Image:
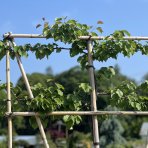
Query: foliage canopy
[126, 95]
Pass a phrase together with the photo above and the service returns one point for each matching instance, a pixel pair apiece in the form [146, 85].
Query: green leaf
[32, 122]
[78, 119]
[1, 43]
[59, 86]
[60, 92]
[85, 87]
[66, 118]
[126, 32]
[144, 85]
[99, 29]
[58, 50]
[71, 21]
[49, 80]
[94, 34]
[16, 48]
[59, 101]
[119, 93]
[45, 122]
[58, 19]
[74, 52]
[132, 104]
[138, 106]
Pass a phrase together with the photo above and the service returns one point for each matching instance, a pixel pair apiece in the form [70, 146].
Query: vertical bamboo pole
[43, 135]
[93, 95]
[8, 99]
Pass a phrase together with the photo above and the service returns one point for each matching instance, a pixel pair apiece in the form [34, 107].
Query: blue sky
[19, 16]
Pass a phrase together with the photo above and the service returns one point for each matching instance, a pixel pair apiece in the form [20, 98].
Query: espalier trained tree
[53, 97]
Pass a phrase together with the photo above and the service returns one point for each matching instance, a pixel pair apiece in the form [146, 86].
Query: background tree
[111, 131]
[71, 78]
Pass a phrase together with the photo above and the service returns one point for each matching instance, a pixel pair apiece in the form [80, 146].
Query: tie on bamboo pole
[93, 95]
[43, 135]
[8, 99]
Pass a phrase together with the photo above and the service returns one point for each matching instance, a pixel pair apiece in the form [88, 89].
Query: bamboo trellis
[94, 113]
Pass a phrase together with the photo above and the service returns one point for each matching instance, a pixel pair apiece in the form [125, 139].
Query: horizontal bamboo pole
[103, 37]
[23, 35]
[88, 113]
[81, 37]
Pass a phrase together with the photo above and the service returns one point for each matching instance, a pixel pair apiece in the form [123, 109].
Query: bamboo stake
[43, 135]
[82, 113]
[8, 99]
[81, 37]
[93, 95]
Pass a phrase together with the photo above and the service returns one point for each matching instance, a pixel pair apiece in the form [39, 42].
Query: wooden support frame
[94, 113]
